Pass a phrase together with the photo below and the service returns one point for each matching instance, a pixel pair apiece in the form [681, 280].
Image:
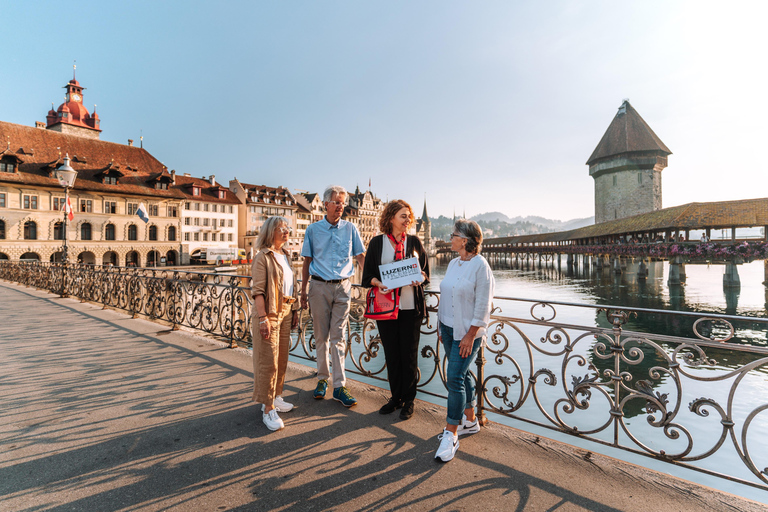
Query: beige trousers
[329, 304]
[270, 356]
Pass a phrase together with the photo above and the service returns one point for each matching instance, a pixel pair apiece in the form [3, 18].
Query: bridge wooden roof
[627, 133]
[715, 215]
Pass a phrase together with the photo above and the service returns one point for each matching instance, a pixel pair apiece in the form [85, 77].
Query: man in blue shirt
[330, 247]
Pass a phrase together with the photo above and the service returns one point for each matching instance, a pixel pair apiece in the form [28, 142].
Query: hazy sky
[482, 106]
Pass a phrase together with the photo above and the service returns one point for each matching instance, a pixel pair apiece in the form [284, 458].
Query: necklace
[463, 261]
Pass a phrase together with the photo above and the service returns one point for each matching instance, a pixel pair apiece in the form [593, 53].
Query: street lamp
[66, 176]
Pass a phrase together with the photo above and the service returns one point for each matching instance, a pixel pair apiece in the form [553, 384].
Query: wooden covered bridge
[727, 232]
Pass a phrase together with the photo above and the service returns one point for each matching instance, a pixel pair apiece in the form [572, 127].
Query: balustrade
[683, 388]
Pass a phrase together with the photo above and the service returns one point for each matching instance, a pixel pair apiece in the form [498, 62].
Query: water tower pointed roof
[627, 133]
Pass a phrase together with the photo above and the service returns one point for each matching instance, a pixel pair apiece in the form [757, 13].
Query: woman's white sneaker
[272, 420]
[468, 427]
[281, 405]
[449, 443]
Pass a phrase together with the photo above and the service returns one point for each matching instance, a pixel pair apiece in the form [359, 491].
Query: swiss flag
[68, 211]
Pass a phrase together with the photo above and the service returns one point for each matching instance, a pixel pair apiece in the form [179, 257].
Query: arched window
[30, 230]
[172, 234]
[85, 231]
[153, 232]
[58, 231]
[133, 233]
[2, 230]
[109, 232]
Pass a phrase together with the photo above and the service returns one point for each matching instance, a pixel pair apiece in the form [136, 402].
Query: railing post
[233, 291]
[480, 387]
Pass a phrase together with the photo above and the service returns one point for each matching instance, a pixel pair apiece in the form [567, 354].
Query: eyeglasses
[457, 235]
[335, 203]
[284, 230]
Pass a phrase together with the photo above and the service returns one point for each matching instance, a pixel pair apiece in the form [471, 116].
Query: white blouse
[466, 294]
[282, 259]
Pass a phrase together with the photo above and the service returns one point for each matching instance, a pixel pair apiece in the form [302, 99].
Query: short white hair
[333, 189]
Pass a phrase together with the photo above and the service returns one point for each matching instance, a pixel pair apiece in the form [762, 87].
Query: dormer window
[277, 201]
[222, 194]
[195, 191]
[110, 180]
[266, 200]
[161, 185]
[7, 165]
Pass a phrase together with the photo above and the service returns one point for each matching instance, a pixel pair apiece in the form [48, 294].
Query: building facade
[209, 217]
[368, 209]
[626, 166]
[112, 181]
[257, 204]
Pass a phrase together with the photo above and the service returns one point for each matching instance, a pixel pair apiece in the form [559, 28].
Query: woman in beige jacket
[275, 313]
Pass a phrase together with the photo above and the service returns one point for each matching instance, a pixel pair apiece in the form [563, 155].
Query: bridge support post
[676, 271]
[569, 260]
[731, 276]
[616, 264]
[642, 269]
[599, 262]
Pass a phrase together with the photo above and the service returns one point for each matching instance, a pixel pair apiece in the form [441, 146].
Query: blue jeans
[461, 385]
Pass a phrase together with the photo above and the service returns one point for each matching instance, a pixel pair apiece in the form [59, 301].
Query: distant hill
[497, 224]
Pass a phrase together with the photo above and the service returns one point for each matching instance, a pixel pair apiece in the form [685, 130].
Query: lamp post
[66, 176]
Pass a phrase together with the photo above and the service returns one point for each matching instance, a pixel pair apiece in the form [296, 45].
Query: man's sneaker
[281, 405]
[466, 427]
[342, 395]
[272, 420]
[449, 443]
[322, 387]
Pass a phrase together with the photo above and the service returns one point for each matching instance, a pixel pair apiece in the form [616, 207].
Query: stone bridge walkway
[100, 412]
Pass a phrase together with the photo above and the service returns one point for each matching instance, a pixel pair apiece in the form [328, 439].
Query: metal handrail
[608, 380]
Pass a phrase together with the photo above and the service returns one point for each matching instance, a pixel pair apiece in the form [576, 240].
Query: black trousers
[400, 339]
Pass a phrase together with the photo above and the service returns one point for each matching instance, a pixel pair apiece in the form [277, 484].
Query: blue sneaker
[342, 395]
[322, 386]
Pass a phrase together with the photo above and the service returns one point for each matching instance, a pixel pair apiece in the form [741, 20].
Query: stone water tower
[626, 166]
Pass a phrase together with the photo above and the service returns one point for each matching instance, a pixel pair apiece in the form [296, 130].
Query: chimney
[187, 175]
[40, 124]
[130, 142]
[173, 175]
[213, 179]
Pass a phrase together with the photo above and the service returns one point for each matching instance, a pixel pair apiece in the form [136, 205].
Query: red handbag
[382, 306]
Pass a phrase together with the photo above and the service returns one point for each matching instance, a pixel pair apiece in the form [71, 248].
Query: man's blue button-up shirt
[332, 249]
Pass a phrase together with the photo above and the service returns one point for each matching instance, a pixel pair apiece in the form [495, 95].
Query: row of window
[223, 237]
[86, 231]
[208, 207]
[195, 221]
[30, 202]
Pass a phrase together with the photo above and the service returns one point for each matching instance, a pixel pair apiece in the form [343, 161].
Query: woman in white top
[466, 293]
[275, 313]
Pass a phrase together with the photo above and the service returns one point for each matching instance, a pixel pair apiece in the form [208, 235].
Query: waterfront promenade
[102, 412]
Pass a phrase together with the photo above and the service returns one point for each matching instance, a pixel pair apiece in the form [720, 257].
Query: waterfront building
[112, 181]
[369, 209]
[424, 230]
[257, 204]
[209, 216]
[626, 166]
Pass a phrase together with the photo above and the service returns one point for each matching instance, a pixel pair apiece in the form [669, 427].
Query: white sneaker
[281, 405]
[272, 420]
[449, 443]
[468, 427]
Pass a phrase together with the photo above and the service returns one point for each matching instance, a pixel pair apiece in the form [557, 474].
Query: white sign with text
[401, 273]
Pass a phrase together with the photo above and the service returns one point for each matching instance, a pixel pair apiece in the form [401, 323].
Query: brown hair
[390, 210]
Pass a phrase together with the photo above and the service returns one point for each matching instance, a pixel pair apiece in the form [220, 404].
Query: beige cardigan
[267, 280]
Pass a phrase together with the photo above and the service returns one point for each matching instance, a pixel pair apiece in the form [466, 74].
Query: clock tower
[72, 118]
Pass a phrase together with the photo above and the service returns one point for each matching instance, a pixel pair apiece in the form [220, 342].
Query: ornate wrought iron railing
[683, 388]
